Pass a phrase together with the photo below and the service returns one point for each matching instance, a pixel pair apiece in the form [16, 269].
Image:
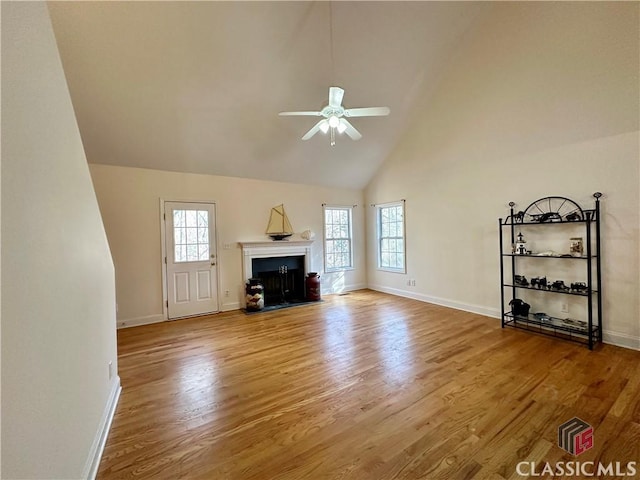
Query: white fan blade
[335, 96]
[367, 112]
[314, 129]
[350, 130]
[310, 114]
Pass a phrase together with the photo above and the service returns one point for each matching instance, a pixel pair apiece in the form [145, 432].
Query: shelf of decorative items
[559, 212]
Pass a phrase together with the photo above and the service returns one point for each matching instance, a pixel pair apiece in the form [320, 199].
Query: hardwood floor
[362, 386]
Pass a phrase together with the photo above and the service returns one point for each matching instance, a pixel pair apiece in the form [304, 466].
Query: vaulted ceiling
[197, 86]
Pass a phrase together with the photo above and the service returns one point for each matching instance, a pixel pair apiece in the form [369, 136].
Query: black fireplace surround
[281, 277]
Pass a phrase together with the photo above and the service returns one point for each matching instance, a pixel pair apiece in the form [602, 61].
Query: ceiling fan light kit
[334, 117]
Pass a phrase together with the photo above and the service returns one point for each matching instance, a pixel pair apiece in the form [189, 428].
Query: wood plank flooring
[361, 386]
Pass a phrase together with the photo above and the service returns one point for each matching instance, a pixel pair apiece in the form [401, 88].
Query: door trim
[163, 251]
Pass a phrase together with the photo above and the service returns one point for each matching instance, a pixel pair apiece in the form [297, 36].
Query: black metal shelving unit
[552, 212]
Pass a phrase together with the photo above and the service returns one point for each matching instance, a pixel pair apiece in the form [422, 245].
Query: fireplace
[281, 277]
[282, 267]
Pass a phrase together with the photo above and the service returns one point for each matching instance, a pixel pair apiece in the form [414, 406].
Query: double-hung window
[391, 238]
[338, 242]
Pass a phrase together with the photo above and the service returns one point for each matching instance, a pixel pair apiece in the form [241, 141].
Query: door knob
[213, 263]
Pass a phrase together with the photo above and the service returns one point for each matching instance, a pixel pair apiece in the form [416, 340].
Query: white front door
[191, 260]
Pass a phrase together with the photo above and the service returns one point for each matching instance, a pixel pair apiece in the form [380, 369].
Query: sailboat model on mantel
[279, 226]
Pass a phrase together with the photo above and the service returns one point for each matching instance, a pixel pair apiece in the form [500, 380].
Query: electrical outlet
[408, 283]
[226, 293]
[564, 308]
[110, 370]
[226, 246]
[413, 282]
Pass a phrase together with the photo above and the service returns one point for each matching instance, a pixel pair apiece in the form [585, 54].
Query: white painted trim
[275, 244]
[227, 307]
[621, 340]
[480, 310]
[145, 320]
[95, 454]
[346, 288]
[251, 250]
[378, 207]
[349, 209]
[163, 266]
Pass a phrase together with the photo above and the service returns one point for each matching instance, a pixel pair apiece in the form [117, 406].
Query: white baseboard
[345, 288]
[621, 340]
[227, 307]
[137, 321]
[480, 310]
[157, 318]
[613, 338]
[95, 454]
[355, 286]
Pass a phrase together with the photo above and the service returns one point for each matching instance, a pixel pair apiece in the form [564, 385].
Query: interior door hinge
[165, 260]
[164, 216]
[167, 303]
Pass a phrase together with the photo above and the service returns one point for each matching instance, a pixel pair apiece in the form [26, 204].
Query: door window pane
[178, 218]
[191, 235]
[181, 253]
[191, 218]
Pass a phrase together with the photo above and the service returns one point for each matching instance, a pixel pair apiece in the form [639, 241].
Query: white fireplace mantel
[268, 249]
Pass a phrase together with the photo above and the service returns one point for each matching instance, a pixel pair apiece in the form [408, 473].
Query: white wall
[541, 99]
[58, 308]
[129, 200]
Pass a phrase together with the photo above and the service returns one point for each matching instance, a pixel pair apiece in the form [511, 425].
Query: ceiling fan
[334, 117]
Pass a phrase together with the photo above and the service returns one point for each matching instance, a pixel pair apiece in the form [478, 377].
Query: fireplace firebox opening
[283, 278]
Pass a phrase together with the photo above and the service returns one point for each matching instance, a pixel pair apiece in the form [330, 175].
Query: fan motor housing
[329, 111]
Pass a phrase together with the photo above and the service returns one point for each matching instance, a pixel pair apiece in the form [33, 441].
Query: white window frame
[349, 210]
[379, 238]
